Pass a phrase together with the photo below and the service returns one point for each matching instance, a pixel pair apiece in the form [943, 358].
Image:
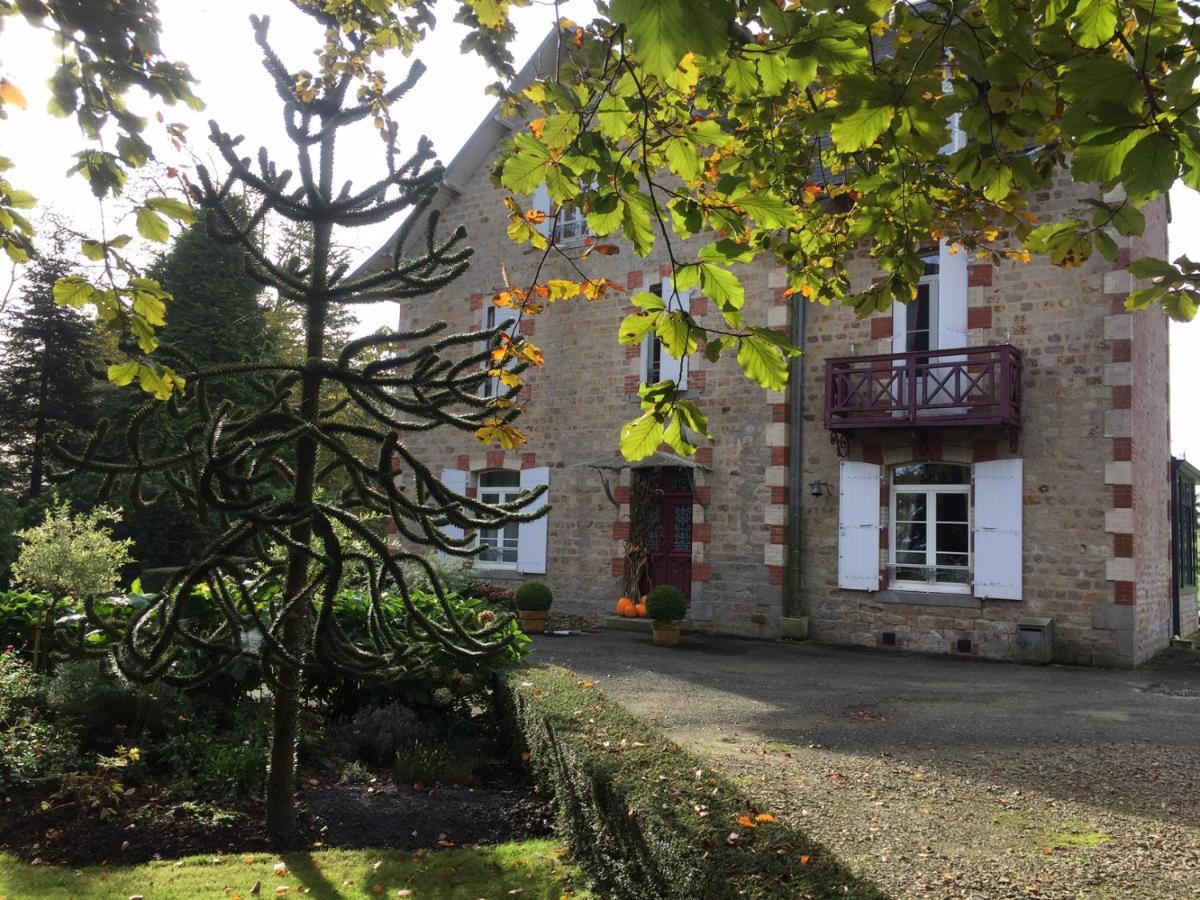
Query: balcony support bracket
[841, 442]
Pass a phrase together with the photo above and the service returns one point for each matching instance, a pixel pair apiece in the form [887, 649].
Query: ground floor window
[930, 545]
[500, 486]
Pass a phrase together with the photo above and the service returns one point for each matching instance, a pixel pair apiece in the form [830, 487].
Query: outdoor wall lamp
[817, 488]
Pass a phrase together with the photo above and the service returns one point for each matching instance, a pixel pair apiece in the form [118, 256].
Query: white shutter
[531, 542]
[999, 499]
[858, 526]
[672, 369]
[899, 327]
[541, 200]
[952, 297]
[455, 480]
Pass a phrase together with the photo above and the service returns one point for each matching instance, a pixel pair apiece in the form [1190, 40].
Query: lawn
[529, 870]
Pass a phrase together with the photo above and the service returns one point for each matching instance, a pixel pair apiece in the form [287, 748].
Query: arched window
[930, 546]
[500, 486]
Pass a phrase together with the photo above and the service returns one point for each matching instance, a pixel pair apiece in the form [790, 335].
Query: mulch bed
[381, 814]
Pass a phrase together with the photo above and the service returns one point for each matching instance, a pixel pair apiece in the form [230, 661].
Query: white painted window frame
[930, 534]
[506, 495]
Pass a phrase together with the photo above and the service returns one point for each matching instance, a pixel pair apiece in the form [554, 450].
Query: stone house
[994, 453]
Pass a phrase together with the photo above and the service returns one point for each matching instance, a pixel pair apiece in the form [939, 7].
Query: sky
[215, 39]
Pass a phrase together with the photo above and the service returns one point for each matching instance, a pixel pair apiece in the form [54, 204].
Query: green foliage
[806, 132]
[375, 734]
[665, 603]
[71, 555]
[33, 747]
[648, 819]
[534, 596]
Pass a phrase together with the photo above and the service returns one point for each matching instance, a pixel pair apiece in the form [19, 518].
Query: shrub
[665, 603]
[33, 747]
[71, 555]
[648, 819]
[376, 734]
[534, 596]
[11, 519]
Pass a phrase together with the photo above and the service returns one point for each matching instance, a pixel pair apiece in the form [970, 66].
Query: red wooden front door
[669, 536]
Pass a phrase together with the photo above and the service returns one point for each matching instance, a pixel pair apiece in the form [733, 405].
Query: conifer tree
[400, 382]
[44, 386]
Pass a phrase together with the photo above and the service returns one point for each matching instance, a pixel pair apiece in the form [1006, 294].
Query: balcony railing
[966, 386]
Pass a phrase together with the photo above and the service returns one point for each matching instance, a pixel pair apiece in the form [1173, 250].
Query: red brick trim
[464, 462]
[621, 493]
[477, 301]
[1124, 593]
[697, 379]
[526, 327]
[618, 566]
[780, 296]
[779, 412]
[528, 460]
[778, 534]
[1122, 449]
[664, 271]
[702, 533]
[631, 383]
[1122, 350]
[633, 280]
[704, 456]
[775, 575]
[1122, 396]
[620, 530]
[979, 317]
[495, 459]
[1122, 496]
[779, 456]
[633, 351]
[979, 275]
[881, 327]
[698, 306]
[1123, 545]
[779, 495]
[701, 572]
[703, 495]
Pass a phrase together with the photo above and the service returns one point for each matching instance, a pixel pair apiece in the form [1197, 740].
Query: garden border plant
[647, 818]
[533, 600]
[666, 606]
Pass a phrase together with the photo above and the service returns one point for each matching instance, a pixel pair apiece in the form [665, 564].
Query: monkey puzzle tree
[217, 611]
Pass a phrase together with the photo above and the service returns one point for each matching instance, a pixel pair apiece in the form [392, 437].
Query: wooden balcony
[963, 387]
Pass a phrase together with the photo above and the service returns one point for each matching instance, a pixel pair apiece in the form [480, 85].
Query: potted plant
[666, 607]
[533, 606]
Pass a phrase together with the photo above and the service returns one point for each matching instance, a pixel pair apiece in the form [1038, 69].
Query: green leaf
[1150, 167]
[767, 210]
[93, 250]
[635, 327]
[1149, 267]
[635, 223]
[1095, 22]
[741, 76]
[683, 159]
[677, 333]
[74, 290]
[648, 301]
[613, 116]
[664, 30]
[861, 127]
[525, 170]
[721, 286]
[1181, 305]
[641, 437]
[151, 225]
[172, 208]
[1106, 245]
[762, 362]
[1100, 159]
[605, 214]
[123, 373]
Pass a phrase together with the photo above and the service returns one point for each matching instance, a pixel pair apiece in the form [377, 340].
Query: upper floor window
[930, 546]
[494, 316]
[570, 227]
[921, 313]
[657, 364]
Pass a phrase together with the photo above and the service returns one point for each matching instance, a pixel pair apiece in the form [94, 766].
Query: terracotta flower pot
[533, 621]
[666, 633]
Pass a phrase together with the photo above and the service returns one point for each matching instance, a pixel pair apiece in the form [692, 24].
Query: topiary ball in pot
[533, 606]
[666, 606]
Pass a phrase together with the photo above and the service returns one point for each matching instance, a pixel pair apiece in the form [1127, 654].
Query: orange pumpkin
[623, 606]
[641, 610]
[631, 611]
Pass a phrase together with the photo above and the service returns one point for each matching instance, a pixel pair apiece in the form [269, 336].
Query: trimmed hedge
[648, 819]
[534, 596]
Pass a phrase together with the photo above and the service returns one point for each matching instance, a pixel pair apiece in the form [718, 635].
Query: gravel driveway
[939, 776]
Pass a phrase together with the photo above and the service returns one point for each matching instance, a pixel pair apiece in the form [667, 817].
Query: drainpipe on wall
[794, 624]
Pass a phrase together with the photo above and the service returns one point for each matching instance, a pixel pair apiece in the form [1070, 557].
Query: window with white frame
[494, 316]
[502, 544]
[930, 527]
[920, 315]
[657, 364]
[570, 226]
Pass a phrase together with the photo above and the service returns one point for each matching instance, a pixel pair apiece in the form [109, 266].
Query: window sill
[924, 598]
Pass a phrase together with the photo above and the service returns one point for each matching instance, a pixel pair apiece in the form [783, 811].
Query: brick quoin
[698, 306]
[664, 271]
[472, 491]
[526, 327]
[528, 460]
[704, 456]
[633, 280]
[1117, 301]
[702, 533]
[1122, 396]
[704, 495]
[780, 296]
[881, 327]
[697, 380]
[477, 301]
[631, 384]
[775, 575]
[779, 412]
[779, 495]
[464, 462]
[701, 572]
[1122, 449]
[633, 352]
[495, 459]
[620, 530]
[1122, 496]
[618, 566]
[1123, 593]
[1123, 545]
[621, 493]
[778, 534]
[1122, 350]
[779, 456]
[1123, 258]
[979, 276]
[985, 451]
[979, 317]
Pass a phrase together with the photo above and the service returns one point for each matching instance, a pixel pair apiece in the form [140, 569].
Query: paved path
[955, 776]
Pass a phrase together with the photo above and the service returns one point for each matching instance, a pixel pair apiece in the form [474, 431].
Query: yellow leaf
[562, 289]
[10, 93]
[537, 126]
[764, 818]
